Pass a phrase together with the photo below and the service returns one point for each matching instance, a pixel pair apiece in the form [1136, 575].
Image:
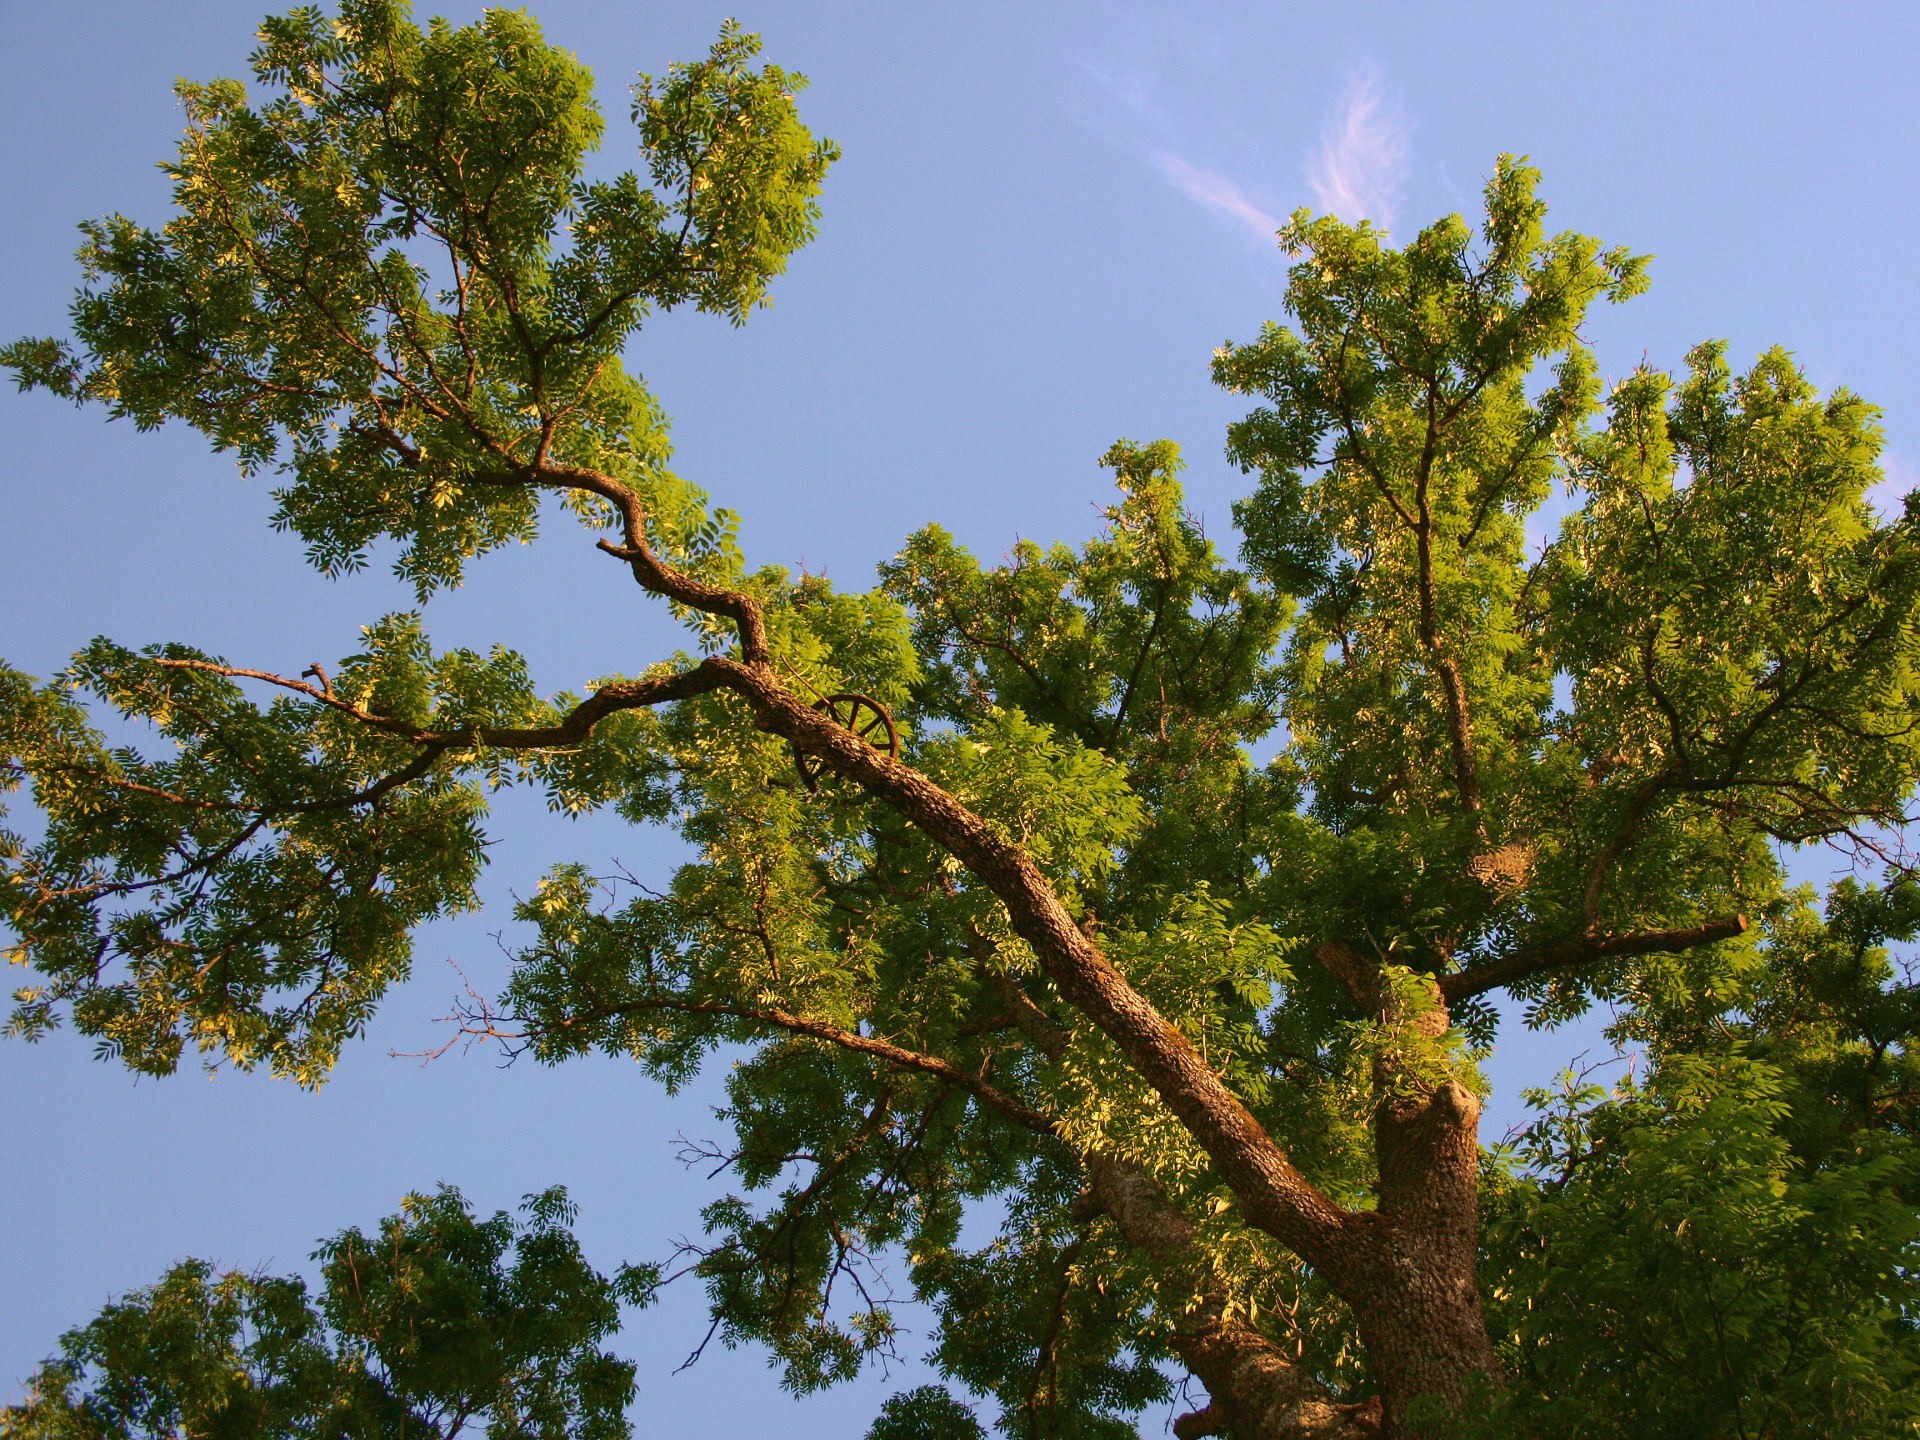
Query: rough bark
[1419, 1311]
[1255, 1389]
[1581, 950]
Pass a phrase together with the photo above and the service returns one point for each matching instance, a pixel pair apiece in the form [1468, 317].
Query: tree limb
[1255, 1388]
[574, 727]
[1581, 950]
[898, 1056]
[1275, 1196]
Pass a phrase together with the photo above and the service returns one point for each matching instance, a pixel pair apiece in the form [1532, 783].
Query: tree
[422, 1329]
[989, 885]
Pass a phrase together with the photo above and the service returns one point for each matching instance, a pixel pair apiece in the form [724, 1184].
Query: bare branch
[484, 1023]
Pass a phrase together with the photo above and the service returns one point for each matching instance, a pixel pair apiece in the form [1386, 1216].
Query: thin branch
[899, 1057]
[573, 727]
[412, 771]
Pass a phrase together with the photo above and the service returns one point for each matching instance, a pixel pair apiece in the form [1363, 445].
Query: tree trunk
[1417, 1300]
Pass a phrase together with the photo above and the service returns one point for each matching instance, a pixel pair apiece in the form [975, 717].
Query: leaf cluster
[439, 1324]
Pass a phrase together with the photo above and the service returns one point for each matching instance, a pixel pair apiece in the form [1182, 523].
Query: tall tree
[987, 879]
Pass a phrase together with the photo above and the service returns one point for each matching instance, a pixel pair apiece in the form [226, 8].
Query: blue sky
[1046, 219]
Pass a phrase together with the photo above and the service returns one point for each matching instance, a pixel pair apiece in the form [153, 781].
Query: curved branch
[1274, 1195]
[1466, 768]
[1637, 806]
[573, 727]
[1582, 950]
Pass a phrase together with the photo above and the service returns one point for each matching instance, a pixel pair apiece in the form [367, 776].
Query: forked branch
[1275, 1196]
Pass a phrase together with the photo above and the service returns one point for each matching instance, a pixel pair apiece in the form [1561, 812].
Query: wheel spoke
[860, 715]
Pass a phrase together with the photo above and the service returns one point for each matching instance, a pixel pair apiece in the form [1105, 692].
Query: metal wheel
[865, 716]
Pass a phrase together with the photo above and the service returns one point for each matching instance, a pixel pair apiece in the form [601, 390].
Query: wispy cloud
[1362, 161]
[1130, 87]
[1897, 478]
[1213, 191]
[1148, 132]
[1165, 109]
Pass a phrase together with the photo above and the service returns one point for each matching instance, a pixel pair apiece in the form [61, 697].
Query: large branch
[1274, 1195]
[1255, 1388]
[1581, 950]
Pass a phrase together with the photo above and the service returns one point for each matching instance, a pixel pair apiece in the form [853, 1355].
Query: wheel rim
[861, 715]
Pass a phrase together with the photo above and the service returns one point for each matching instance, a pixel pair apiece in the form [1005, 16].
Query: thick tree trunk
[1419, 1307]
[1412, 1279]
[1412, 1287]
[1424, 1333]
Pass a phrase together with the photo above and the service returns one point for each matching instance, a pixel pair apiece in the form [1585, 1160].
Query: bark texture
[1255, 1389]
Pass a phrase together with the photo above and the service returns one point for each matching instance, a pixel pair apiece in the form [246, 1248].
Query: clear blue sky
[1047, 218]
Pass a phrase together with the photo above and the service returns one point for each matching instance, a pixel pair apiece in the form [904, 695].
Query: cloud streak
[1362, 161]
[1888, 494]
[1356, 168]
[1215, 192]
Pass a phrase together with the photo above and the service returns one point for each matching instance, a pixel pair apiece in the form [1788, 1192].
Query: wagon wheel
[865, 716]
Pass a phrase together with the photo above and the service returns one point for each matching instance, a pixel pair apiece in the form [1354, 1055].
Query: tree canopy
[435, 1322]
[1153, 899]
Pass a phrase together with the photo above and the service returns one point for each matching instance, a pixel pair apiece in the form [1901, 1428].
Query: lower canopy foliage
[1203, 1029]
[437, 1323]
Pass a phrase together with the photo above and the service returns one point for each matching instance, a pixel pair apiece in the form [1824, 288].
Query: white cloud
[1897, 478]
[1355, 171]
[1213, 191]
[1362, 160]
[1130, 87]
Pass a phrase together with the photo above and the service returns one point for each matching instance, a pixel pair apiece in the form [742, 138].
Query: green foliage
[1565, 772]
[250, 893]
[1035, 1320]
[928, 1413]
[1142, 645]
[439, 1323]
[254, 891]
[389, 281]
[1732, 1288]
[1736, 1237]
